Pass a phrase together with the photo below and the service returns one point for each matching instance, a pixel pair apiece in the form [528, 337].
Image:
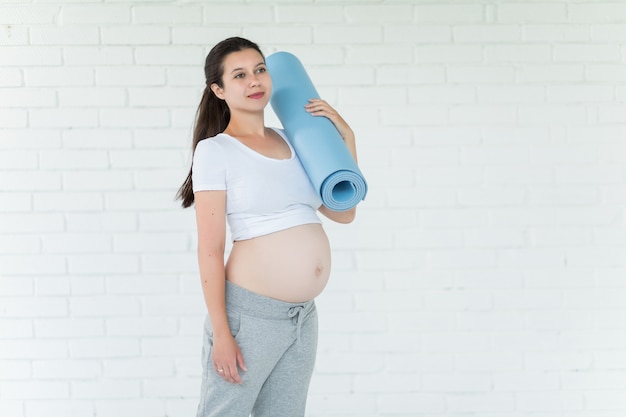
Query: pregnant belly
[291, 265]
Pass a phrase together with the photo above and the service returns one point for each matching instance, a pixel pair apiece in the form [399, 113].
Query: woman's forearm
[213, 282]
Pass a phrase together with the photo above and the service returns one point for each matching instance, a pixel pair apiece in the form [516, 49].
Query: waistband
[240, 299]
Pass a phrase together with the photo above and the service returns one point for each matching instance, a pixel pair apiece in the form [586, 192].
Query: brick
[137, 367]
[556, 33]
[390, 55]
[92, 97]
[447, 13]
[528, 381]
[460, 300]
[28, 15]
[453, 218]
[353, 34]
[455, 342]
[580, 94]
[173, 387]
[27, 97]
[487, 34]
[63, 118]
[55, 77]
[77, 56]
[488, 279]
[480, 74]
[31, 56]
[556, 401]
[10, 286]
[145, 200]
[128, 407]
[588, 53]
[52, 286]
[178, 15]
[51, 369]
[135, 35]
[167, 346]
[597, 12]
[137, 117]
[14, 36]
[75, 242]
[73, 15]
[140, 285]
[345, 76]
[511, 94]
[414, 75]
[103, 348]
[64, 36]
[457, 383]
[105, 389]
[480, 114]
[33, 307]
[279, 35]
[162, 96]
[159, 55]
[493, 238]
[562, 237]
[15, 370]
[32, 264]
[103, 264]
[441, 94]
[141, 327]
[452, 54]
[532, 13]
[551, 73]
[410, 115]
[439, 238]
[412, 34]
[14, 408]
[90, 222]
[35, 390]
[166, 222]
[202, 35]
[553, 114]
[13, 119]
[517, 53]
[66, 201]
[73, 408]
[159, 305]
[33, 349]
[125, 76]
[18, 328]
[373, 13]
[11, 77]
[103, 180]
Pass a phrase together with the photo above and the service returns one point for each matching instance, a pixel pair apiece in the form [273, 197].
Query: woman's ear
[218, 91]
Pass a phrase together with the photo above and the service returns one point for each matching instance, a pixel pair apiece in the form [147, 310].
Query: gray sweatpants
[278, 341]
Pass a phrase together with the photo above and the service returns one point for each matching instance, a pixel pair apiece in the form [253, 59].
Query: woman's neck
[246, 125]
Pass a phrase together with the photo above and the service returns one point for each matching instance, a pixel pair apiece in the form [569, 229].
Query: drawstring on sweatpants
[294, 313]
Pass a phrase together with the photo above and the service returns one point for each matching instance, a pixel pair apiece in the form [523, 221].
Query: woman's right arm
[211, 224]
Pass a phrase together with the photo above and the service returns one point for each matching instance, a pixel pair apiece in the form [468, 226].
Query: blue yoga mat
[323, 153]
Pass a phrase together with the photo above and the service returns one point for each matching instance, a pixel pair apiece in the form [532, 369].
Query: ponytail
[213, 115]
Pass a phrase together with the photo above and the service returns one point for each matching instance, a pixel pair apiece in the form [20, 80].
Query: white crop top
[263, 195]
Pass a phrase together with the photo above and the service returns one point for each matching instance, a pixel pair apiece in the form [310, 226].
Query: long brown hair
[213, 114]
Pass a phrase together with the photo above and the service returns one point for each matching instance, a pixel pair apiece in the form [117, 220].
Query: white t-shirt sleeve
[209, 167]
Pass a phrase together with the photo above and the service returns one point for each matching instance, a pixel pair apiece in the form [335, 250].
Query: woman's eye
[240, 75]
[261, 70]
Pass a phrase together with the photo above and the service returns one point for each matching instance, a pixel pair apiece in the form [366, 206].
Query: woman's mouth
[256, 96]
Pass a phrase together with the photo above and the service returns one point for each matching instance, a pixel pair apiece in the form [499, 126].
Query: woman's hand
[319, 107]
[226, 357]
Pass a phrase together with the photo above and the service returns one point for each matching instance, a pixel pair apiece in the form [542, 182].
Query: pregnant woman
[260, 335]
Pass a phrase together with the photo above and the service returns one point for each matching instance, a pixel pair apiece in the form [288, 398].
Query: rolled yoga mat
[323, 153]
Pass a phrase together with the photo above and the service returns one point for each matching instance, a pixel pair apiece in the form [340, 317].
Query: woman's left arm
[318, 107]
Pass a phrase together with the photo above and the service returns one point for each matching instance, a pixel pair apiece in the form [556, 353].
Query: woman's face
[247, 85]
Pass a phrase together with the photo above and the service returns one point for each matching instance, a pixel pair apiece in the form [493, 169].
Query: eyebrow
[240, 69]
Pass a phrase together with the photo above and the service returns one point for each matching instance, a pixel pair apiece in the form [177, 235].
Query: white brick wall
[484, 275]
